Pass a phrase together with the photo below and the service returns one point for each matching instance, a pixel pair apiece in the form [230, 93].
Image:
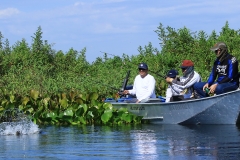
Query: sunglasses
[216, 51]
[184, 68]
[141, 69]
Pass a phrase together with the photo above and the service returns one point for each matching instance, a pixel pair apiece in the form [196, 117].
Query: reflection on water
[144, 144]
[125, 142]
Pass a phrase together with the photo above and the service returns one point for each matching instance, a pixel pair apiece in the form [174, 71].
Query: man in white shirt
[144, 85]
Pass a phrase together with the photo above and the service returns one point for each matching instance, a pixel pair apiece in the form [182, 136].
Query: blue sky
[112, 26]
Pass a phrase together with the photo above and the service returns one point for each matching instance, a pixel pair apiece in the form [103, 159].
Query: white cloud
[111, 28]
[8, 12]
[91, 21]
[112, 1]
[78, 4]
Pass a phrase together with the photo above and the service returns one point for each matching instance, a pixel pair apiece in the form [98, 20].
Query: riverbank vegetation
[64, 88]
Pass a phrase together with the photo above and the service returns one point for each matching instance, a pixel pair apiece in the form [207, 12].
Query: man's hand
[213, 88]
[205, 86]
[125, 92]
[138, 101]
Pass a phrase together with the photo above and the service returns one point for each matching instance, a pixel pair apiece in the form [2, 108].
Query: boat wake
[14, 122]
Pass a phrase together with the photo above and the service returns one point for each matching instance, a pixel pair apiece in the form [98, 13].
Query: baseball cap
[142, 66]
[186, 63]
[219, 45]
[172, 73]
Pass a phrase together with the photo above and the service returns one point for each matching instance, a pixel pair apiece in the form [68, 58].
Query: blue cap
[172, 73]
[142, 66]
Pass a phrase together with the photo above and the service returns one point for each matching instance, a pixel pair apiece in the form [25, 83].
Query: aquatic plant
[66, 108]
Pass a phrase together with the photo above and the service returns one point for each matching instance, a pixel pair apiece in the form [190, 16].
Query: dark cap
[186, 63]
[142, 66]
[219, 45]
[172, 73]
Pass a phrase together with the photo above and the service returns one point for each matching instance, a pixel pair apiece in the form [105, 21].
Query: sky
[116, 27]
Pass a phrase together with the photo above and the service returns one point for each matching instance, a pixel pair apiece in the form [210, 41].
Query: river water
[145, 141]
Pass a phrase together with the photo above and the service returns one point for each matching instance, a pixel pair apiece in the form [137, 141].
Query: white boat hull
[219, 109]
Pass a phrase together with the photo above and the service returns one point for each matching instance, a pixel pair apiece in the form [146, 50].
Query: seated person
[144, 85]
[224, 71]
[172, 90]
[185, 84]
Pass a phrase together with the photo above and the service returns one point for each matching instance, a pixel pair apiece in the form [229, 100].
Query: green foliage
[38, 68]
[1, 43]
[181, 44]
[72, 108]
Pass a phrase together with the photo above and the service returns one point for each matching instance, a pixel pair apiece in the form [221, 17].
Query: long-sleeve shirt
[182, 87]
[226, 71]
[144, 88]
[172, 90]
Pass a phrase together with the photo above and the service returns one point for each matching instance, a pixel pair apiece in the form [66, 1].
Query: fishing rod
[164, 77]
[109, 54]
[100, 83]
[121, 90]
[160, 75]
[124, 85]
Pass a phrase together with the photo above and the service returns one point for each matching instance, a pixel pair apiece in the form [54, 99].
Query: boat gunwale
[179, 102]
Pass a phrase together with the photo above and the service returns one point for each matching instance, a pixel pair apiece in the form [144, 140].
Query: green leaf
[35, 120]
[20, 107]
[52, 115]
[85, 107]
[74, 123]
[45, 101]
[90, 114]
[67, 119]
[34, 94]
[79, 100]
[12, 98]
[106, 115]
[127, 117]
[80, 111]
[93, 96]
[107, 106]
[30, 110]
[83, 120]
[25, 100]
[122, 109]
[84, 97]
[68, 112]
[64, 102]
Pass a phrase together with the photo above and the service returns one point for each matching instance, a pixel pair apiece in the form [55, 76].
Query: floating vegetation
[65, 108]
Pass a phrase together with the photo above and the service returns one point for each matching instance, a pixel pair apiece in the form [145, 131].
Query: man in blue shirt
[224, 71]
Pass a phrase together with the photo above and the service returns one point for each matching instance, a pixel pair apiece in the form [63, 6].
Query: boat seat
[153, 100]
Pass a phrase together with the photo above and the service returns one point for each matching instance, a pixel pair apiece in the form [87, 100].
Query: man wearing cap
[144, 85]
[186, 82]
[172, 90]
[224, 71]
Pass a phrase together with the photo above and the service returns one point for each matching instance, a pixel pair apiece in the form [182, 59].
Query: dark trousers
[221, 88]
[176, 98]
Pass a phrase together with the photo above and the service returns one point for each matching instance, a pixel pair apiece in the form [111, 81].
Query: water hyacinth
[67, 109]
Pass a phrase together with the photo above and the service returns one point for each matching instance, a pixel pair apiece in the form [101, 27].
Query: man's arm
[193, 78]
[232, 69]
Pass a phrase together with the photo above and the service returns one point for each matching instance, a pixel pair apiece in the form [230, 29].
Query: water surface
[146, 141]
